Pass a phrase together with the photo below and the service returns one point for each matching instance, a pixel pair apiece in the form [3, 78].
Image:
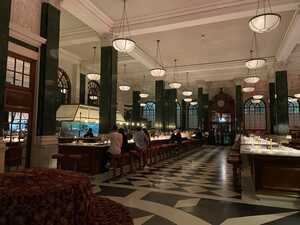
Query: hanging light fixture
[255, 101]
[94, 76]
[248, 89]
[124, 87]
[143, 104]
[159, 71]
[174, 84]
[188, 99]
[187, 92]
[292, 99]
[297, 95]
[122, 42]
[257, 97]
[144, 94]
[264, 20]
[251, 79]
[255, 62]
[194, 103]
[93, 97]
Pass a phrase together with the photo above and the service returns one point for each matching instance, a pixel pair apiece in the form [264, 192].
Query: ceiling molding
[89, 14]
[291, 38]
[202, 17]
[65, 55]
[141, 56]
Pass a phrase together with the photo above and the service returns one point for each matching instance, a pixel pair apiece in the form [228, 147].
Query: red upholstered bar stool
[76, 159]
[59, 157]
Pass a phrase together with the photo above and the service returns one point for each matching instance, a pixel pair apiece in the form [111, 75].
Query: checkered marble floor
[194, 189]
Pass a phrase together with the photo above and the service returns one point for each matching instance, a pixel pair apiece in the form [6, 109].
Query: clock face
[221, 103]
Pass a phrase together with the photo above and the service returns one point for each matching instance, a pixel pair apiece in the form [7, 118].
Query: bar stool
[76, 159]
[59, 157]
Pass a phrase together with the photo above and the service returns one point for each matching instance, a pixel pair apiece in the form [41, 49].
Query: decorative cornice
[25, 35]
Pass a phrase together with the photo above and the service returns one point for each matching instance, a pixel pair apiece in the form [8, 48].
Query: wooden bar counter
[270, 170]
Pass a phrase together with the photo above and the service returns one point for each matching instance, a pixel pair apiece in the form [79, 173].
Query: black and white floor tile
[193, 190]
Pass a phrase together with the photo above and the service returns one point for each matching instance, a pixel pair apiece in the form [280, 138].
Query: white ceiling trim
[290, 40]
[88, 13]
[215, 17]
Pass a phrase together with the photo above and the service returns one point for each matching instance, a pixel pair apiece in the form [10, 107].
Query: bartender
[89, 133]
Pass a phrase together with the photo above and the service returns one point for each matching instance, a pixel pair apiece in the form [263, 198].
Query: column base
[42, 151]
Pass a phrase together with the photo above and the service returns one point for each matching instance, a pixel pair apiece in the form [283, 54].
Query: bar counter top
[275, 151]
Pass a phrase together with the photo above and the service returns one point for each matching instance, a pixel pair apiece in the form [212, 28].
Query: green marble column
[108, 88]
[159, 107]
[170, 108]
[273, 117]
[200, 108]
[4, 36]
[50, 21]
[238, 109]
[282, 102]
[82, 89]
[136, 107]
[184, 115]
[205, 112]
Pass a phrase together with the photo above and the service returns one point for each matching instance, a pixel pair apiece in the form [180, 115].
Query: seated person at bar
[173, 137]
[125, 146]
[116, 141]
[89, 133]
[147, 135]
[178, 137]
[141, 143]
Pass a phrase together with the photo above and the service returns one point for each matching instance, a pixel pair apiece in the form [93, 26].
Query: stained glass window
[255, 115]
[193, 116]
[93, 93]
[149, 112]
[64, 88]
[294, 113]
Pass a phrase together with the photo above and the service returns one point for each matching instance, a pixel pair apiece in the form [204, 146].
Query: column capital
[238, 81]
[106, 39]
[280, 65]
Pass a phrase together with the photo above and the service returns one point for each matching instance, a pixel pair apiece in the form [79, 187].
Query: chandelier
[297, 95]
[159, 71]
[257, 97]
[251, 79]
[94, 76]
[255, 62]
[144, 95]
[93, 97]
[123, 43]
[187, 92]
[194, 103]
[143, 104]
[248, 89]
[124, 87]
[174, 84]
[255, 101]
[264, 20]
[188, 99]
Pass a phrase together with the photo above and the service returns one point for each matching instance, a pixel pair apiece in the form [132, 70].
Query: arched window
[193, 116]
[294, 113]
[255, 115]
[64, 88]
[93, 93]
[178, 119]
[149, 112]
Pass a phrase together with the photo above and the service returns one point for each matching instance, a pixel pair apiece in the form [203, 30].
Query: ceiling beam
[290, 40]
[88, 13]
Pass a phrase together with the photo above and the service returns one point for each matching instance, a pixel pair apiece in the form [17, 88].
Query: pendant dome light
[174, 84]
[194, 103]
[252, 79]
[158, 71]
[188, 99]
[257, 97]
[143, 104]
[255, 101]
[255, 62]
[143, 94]
[187, 92]
[124, 87]
[122, 42]
[264, 20]
[248, 89]
[94, 76]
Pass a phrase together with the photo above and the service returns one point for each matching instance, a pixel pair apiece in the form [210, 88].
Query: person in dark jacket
[125, 146]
